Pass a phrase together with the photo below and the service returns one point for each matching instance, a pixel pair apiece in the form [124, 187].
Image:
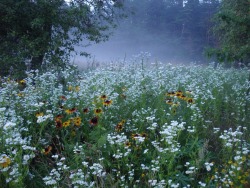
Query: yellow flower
[169, 101]
[134, 136]
[38, 114]
[176, 104]
[98, 111]
[127, 144]
[107, 102]
[66, 123]
[70, 111]
[22, 82]
[5, 162]
[190, 100]
[70, 88]
[103, 97]
[170, 94]
[178, 92]
[183, 97]
[77, 88]
[20, 95]
[77, 121]
[119, 127]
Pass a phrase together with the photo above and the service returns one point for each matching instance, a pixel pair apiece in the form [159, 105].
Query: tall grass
[126, 126]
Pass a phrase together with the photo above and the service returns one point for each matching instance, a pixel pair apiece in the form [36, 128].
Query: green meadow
[126, 125]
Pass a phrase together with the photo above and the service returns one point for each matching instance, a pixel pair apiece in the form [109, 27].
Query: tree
[232, 28]
[33, 31]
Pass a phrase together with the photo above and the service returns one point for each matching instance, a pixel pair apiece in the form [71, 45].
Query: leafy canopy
[232, 27]
[42, 30]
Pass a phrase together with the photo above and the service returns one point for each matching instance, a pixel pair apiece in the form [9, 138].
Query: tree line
[36, 33]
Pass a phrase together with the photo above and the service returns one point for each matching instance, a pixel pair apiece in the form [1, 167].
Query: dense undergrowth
[126, 126]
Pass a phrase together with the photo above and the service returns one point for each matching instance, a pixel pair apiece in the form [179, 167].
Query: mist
[167, 31]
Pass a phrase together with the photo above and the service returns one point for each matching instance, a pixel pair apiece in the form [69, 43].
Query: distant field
[126, 125]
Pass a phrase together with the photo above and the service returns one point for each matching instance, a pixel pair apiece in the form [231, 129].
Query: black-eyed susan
[190, 100]
[144, 135]
[77, 121]
[66, 123]
[58, 117]
[85, 110]
[47, 150]
[5, 162]
[178, 95]
[119, 127]
[22, 82]
[176, 104]
[94, 121]
[123, 121]
[70, 111]
[179, 92]
[127, 144]
[98, 111]
[170, 94]
[169, 101]
[183, 97]
[38, 114]
[59, 124]
[107, 102]
[134, 136]
[103, 97]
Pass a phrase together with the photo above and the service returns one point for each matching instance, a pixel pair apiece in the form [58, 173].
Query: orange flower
[58, 117]
[59, 124]
[47, 150]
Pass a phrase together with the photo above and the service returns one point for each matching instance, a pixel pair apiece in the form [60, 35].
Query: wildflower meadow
[126, 125]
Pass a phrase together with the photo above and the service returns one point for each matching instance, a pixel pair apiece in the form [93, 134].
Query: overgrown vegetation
[232, 29]
[126, 126]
